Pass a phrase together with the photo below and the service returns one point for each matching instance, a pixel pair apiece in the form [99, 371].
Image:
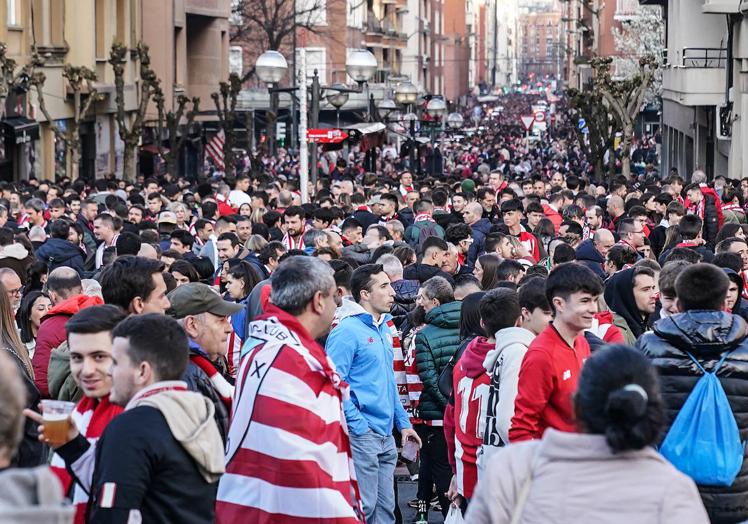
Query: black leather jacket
[707, 335]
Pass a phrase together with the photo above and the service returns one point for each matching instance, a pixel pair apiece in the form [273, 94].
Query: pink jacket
[578, 480]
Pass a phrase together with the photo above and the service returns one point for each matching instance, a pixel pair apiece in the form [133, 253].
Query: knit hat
[467, 186]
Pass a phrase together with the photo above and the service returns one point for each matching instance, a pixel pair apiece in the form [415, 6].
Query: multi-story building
[80, 33]
[501, 42]
[702, 93]
[539, 44]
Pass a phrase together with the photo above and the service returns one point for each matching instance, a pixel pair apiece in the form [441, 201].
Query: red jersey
[471, 385]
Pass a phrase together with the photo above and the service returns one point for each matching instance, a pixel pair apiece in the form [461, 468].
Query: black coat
[588, 255]
[423, 272]
[199, 382]
[405, 300]
[707, 335]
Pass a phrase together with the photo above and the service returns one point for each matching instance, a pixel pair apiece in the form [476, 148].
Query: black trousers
[434, 466]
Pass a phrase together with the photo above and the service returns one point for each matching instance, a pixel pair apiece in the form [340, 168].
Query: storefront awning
[366, 128]
[19, 130]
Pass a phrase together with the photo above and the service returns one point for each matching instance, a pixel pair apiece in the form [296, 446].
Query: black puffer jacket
[57, 252]
[198, 381]
[405, 300]
[707, 335]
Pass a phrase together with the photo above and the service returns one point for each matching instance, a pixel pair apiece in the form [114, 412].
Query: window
[316, 58]
[13, 18]
[311, 12]
[101, 29]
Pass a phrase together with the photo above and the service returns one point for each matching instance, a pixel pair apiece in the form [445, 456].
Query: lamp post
[271, 67]
[455, 121]
[436, 107]
[406, 94]
[361, 65]
[337, 99]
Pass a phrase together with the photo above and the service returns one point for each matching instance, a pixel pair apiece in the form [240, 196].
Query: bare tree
[225, 101]
[269, 24]
[81, 80]
[147, 84]
[600, 124]
[10, 74]
[624, 98]
[171, 121]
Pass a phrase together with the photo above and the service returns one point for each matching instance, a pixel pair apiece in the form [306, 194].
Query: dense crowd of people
[494, 320]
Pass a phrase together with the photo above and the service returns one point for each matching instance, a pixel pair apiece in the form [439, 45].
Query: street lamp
[386, 107]
[455, 121]
[406, 93]
[361, 65]
[271, 67]
[436, 107]
[337, 99]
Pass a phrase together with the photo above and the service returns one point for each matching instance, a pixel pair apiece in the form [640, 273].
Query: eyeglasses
[16, 292]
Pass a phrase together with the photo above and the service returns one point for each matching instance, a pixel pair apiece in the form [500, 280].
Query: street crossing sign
[527, 121]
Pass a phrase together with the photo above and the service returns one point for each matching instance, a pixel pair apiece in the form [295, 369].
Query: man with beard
[631, 295]
[293, 222]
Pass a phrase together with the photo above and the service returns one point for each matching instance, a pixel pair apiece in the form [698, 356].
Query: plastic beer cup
[56, 420]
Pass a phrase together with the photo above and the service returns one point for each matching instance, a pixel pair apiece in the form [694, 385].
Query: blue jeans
[374, 457]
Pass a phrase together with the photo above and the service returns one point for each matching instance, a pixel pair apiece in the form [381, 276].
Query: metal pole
[294, 102]
[314, 118]
[413, 145]
[272, 121]
[303, 153]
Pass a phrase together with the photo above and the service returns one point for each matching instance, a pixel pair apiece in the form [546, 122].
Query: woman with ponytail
[607, 472]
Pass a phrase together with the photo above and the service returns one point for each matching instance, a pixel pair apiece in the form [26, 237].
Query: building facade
[540, 37]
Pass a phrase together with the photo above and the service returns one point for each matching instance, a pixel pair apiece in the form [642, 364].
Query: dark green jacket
[435, 345]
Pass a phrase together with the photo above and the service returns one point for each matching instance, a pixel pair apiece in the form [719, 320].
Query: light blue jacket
[363, 355]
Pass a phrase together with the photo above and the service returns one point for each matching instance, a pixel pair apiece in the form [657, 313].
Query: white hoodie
[503, 364]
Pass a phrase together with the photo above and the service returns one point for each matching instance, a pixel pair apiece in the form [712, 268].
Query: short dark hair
[434, 242]
[701, 286]
[564, 253]
[343, 273]
[669, 274]
[96, 319]
[512, 205]
[294, 211]
[499, 309]
[532, 295]
[729, 260]
[184, 237]
[689, 227]
[127, 278]
[724, 245]
[621, 255]
[128, 244]
[158, 340]
[60, 228]
[508, 268]
[683, 253]
[185, 268]
[455, 233]
[361, 279]
[231, 237]
[569, 278]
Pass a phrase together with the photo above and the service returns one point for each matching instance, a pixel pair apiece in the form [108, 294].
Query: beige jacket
[578, 480]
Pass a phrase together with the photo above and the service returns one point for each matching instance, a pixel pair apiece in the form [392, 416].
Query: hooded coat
[619, 295]
[423, 272]
[588, 255]
[17, 258]
[57, 252]
[405, 300]
[52, 333]
[707, 335]
[435, 345]
[480, 229]
[33, 496]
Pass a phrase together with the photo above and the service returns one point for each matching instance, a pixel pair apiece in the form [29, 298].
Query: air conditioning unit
[724, 121]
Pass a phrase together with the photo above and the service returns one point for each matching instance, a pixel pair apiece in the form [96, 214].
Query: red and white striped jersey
[288, 453]
[214, 148]
[471, 402]
[91, 417]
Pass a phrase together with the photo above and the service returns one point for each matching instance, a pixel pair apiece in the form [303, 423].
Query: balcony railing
[704, 57]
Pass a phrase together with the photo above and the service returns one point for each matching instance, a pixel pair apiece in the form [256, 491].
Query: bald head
[147, 251]
[63, 283]
[472, 213]
[603, 240]
[615, 206]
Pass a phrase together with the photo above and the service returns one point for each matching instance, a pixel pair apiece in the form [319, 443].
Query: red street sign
[539, 117]
[326, 136]
[527, 121]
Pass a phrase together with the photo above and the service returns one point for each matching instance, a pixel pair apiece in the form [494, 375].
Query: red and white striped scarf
[91, 417]
[288, 455]
[424, 217]
[289, 243]
[412, 379]
[224, 389]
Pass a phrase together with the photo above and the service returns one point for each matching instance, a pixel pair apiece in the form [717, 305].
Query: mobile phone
[410, 451]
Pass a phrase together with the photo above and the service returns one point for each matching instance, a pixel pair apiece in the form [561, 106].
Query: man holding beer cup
[89, 338]
[159, 460]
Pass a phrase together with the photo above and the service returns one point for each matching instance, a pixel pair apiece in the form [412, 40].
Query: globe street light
[455, 120]
[337, 99]
[436, 107]
[406, 93]
[386, 107]
[271, 67]
[361, 65]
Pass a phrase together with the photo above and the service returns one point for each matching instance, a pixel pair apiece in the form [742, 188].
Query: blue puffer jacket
[480, 229]
[588, 255]
[363, 355]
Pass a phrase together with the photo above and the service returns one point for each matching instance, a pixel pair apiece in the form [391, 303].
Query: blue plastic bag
[704, 441]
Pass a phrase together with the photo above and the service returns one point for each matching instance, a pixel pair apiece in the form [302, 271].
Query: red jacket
[547, 380]
[553, 215]
[52, 333]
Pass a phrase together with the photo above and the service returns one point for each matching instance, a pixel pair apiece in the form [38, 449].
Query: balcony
[626, 10]
[721, 7]
[695, 77]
